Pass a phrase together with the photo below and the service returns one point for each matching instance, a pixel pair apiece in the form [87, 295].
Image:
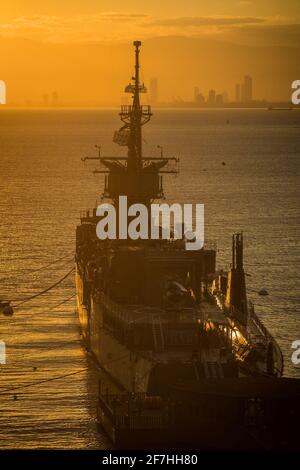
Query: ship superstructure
[161, 321]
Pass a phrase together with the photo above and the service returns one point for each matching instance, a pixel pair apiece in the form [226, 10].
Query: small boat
[263, 292]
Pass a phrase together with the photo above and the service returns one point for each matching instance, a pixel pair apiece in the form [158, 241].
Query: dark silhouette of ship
[186, 361]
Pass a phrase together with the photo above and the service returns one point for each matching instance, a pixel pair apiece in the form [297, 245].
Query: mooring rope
[27, 317]
[63, 302]
[26, 299]
[38, 269]
[51, 379]
[6, 391]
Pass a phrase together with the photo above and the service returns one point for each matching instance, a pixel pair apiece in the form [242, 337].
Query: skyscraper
[237, 92]
[225, 96]
[219, 99]
[212, 97]
[247, 88]
[198, 97]
[243, 93]
[153, 90]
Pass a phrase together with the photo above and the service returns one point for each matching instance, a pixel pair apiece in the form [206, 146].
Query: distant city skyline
[80, 50]
[243, 94]
[50, 99]
[87, 81]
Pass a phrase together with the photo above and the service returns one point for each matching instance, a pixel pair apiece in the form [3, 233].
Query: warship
[186, 360]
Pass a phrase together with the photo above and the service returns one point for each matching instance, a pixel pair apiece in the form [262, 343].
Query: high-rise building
[225, 96]
[211, 97]
[153, 89]
[243, 91]
[247, 88]
[237, 92]
[243, 94]
[198, 97]
[219, 99]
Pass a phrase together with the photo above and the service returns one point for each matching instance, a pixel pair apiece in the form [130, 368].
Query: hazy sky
[40, 40]
[78, 20]
[165, 8]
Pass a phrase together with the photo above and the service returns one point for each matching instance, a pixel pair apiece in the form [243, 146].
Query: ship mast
[135, 144]
[135, 176]
[134, 117]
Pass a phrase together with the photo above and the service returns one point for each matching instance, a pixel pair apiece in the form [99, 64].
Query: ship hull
[127, 368]
[197, 419]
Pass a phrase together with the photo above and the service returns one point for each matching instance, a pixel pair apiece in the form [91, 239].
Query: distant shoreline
[184, 106]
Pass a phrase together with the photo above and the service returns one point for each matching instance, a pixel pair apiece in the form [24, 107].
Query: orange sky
[82, 49]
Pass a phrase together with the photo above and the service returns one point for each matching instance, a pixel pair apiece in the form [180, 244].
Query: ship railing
[128, 411]
[264, 335]
[127, 109]
[234, 313]
[150, 314]
[277, 354]
[148, 421]
[88, 214]
[142, 422]
[177, 243]
[118, 310]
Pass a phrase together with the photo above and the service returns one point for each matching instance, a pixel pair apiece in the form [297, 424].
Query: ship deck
[141, 314]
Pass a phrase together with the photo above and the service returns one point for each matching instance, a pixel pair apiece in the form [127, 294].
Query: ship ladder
[158, 334]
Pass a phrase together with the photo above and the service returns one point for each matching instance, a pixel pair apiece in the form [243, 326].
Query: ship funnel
[236, 298]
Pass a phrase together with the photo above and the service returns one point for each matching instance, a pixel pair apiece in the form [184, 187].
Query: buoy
[8, 311]
[263, 292]
[223, 163]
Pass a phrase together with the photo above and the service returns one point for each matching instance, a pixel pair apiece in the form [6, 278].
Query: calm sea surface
[43, 188]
